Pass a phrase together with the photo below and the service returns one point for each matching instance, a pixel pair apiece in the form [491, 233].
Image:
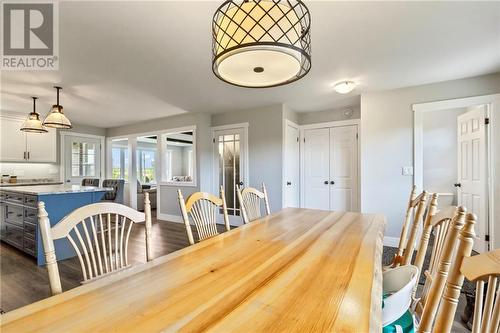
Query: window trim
[163, 146]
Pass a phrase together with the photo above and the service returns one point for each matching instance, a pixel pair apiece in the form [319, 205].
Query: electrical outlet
[407, 171]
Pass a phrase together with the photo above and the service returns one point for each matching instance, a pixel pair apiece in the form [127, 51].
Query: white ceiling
[123, 62]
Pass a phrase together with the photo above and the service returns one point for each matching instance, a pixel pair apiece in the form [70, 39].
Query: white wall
[439, 130]
[387, 142]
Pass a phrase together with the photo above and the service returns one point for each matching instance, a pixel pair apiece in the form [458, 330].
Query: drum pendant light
[261, 43]
[33, 124]
[56, 117]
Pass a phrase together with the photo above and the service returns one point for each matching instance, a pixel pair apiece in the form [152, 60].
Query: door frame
[287, 122]
[339, 123]
[102, 141]
[246, 178]
[492, 112]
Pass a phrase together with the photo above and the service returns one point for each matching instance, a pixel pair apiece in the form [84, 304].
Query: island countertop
[56, 189]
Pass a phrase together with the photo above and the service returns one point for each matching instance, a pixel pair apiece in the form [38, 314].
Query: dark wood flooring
[23, 282]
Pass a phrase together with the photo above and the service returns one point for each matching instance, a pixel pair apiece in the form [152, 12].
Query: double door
[330, 175]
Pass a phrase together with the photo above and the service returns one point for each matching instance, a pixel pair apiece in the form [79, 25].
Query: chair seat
[404, 324]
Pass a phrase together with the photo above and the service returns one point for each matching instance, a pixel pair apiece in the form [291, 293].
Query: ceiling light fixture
[56, 117]
[261, 43]
[344, 87]
[33, 124]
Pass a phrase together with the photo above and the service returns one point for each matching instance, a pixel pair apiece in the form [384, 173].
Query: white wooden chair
[99, 233]
[483, 268]
[413, 218]
[250, 199]
[442, 300]
[203, 209]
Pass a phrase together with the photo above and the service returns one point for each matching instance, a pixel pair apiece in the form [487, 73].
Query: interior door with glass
[82, 158]
[229, 168]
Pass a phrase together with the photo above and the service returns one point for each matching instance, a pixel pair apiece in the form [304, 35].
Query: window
[83, 163]
[179, 157]
[119, 159]
[146, 157]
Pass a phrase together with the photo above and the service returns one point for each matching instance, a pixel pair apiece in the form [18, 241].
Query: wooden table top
[298, 270]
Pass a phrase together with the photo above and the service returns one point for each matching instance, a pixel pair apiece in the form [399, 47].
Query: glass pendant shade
[33, 124]
[261, 43]
[56, 117]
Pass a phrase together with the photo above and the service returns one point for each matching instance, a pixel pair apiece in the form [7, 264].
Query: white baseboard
[169, 218]
[391, 241]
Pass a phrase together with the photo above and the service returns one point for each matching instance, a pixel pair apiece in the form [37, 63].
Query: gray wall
[387, 143]
[265, 135]
[305, 118]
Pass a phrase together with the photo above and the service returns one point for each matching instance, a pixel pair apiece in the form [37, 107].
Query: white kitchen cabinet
[13, 141]
[17, 146]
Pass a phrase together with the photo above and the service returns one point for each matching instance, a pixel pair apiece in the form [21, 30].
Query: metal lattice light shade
[261, 43]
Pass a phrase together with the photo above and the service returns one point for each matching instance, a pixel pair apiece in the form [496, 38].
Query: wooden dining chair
[203, 209]
[414, 214]
[439, 309]
[99, 234]
[250, 199]
[446, 225]
[482, 268]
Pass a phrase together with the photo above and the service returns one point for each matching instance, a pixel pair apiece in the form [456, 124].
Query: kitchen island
[19, 214]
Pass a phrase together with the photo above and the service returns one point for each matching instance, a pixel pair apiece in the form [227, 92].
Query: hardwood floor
[23, 282]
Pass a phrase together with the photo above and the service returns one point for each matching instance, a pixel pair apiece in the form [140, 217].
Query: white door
[343, 168]
[12, 140]
[317, 168]
[471, 158]
[291, 167]
[229, 168]
[82, 158]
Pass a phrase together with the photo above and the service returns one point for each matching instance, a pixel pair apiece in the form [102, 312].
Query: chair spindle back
[482, 268]
[99, 234]
[203, 209]
[250, 199]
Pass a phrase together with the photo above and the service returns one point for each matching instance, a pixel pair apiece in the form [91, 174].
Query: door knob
[457, 185]
[332, 182]
[240, 183]
[289, 183]
[326, 182]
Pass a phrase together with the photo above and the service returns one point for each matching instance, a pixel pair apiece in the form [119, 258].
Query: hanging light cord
[58, 88]
[34, 102]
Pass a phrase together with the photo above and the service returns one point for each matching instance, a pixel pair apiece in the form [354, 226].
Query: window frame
[164, 146]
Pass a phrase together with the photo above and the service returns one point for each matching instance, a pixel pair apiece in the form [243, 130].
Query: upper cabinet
[17, 146]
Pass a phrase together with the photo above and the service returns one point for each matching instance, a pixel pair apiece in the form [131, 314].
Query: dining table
[296, 270]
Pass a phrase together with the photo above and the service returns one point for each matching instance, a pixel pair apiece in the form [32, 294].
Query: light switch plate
[407, 171]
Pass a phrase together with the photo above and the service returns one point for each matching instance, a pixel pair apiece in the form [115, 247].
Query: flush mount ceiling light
[56, 117]
[261, 43]
[33, 124]
[344, 87]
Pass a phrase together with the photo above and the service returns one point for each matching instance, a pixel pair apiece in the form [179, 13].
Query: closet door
[343, 168]
[316, 168]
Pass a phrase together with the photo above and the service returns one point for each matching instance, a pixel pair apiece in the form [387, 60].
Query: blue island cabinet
[19, 215]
